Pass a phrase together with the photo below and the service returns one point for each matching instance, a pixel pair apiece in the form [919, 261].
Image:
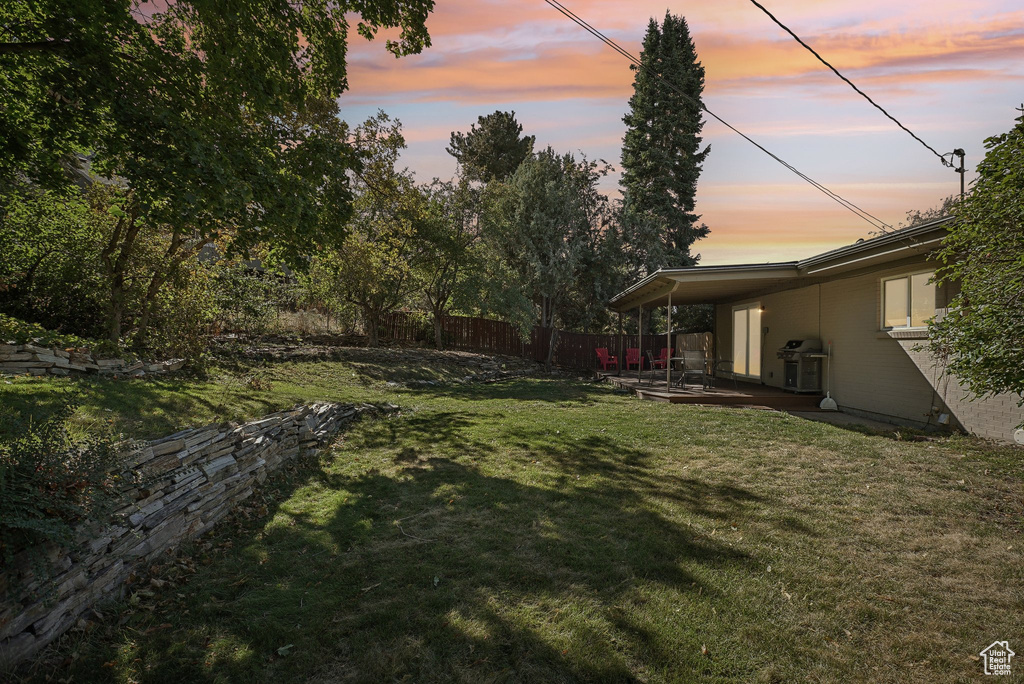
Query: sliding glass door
[746, 340]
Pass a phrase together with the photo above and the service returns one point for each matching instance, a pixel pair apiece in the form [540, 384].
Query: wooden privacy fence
[482, 334]
[572, 350]
[402, 326]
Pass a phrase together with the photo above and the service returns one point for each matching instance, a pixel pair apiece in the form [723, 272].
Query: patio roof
[711, 284]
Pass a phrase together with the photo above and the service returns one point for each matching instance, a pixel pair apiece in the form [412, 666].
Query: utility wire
[876, 222]
[860, 92]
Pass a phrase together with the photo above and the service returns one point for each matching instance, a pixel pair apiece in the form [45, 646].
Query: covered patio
[725, 393]
[733, 373]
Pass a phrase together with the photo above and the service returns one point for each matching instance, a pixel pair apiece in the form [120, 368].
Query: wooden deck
[743, 394]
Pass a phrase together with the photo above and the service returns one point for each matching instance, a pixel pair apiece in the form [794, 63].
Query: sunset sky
[953, 72]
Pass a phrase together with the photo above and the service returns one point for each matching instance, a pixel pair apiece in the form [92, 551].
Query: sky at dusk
[953, 72]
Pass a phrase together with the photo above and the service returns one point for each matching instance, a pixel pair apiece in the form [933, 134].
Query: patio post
[668, 344]
[622, 350]
[640, 342]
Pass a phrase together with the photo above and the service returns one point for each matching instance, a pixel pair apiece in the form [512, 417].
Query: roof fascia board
[915, 238]
[910, 235]
[738, 274]
[651, 295]
[701, 270]
[876, 255]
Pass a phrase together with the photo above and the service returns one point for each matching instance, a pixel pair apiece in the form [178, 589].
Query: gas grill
[802, 365]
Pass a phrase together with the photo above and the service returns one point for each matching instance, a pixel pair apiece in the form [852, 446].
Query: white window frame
[910, 303]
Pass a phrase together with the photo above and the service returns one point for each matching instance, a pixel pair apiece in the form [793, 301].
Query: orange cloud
[491, 74]
[485, 52]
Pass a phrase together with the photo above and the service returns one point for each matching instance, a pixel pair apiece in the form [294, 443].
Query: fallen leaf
[285, 650]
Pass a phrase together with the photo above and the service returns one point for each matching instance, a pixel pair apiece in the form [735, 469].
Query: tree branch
[33, 46]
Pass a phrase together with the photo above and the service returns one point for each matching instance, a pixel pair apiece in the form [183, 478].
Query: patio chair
[632, 357]
[723, 366]
[662, 359]
[694, 365]
[652, 363]
[605, 360]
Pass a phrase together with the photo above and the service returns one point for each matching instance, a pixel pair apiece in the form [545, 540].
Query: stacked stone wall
[31, 359]
[181, 486]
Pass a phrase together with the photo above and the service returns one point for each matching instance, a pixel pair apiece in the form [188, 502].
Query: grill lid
[801, 346]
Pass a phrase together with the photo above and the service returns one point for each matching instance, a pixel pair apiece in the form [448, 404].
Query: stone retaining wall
[29, 359]
[181, 486]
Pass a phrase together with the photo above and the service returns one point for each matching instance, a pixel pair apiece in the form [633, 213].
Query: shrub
[49, 482]
[16, 331]
[247, 299]
[184, 312]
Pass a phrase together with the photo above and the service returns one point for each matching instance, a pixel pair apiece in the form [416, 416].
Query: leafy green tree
[540, 225]
[48, 271]
[375, 268]
[58, 59]
[494, 150]
[56, 270]
[982, 335]
[450, 257]
[916, 217]
[219, 119]
[661, 151]
[70, 70]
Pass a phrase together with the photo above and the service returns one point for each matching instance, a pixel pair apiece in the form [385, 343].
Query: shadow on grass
[427, 566]
[521, 389]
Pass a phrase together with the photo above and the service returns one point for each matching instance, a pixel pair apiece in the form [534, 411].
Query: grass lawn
[550, 530]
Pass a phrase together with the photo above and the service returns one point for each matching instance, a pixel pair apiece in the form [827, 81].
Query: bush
[248, 299]
[50, 483]
[183, 315]
[50, 271]
[15, 331]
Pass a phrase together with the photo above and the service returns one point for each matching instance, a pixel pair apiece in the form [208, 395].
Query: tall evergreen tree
[661, 152]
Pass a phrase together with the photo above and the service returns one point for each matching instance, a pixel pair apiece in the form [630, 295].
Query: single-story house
[870, 301]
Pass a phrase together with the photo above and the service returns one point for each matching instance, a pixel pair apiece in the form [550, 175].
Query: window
[908, 301]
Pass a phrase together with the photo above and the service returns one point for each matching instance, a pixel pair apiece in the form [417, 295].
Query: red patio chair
[662, 360]
[605, 359]
[632, 357]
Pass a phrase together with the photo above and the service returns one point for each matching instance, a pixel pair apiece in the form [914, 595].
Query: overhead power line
[860, 92]
[876, 222]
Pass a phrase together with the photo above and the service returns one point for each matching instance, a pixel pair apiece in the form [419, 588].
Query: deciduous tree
[219, 118]
[982, 335]
[449, 233]
[375, 268]
[540, 224]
